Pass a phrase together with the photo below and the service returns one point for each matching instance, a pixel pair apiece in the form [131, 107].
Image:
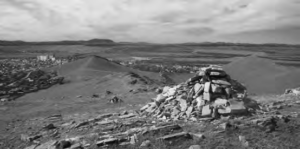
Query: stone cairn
[210, 93]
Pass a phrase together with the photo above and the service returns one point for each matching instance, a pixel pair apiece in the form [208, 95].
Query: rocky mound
[18, 84]
[262, 76]
[210, 93]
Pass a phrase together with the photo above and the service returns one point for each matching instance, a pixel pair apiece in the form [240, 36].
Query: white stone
[133, 139]
[237, 107]
[160, 98]
[4, 100]
[197, 87]
[200, 101]
[195, 147]
[219, 102]
[166, 89]
[206, 96]
[189, 111]
[183, 105]
[221, 82]
[146, 143]
[206, 111]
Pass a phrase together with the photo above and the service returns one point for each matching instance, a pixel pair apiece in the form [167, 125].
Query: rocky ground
[269, 125]
[106, 113]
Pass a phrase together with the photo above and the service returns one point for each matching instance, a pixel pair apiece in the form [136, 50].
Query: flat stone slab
[107, 141]
[168, 127]
[206, 111]
[176, 135]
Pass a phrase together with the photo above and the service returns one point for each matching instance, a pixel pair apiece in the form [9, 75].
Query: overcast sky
[256, 21]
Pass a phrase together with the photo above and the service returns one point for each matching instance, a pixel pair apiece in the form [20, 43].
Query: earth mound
[90, 66]
[263, 76]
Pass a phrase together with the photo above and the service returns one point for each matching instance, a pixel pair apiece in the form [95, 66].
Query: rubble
[21, 76]
[202, 99]
[117, 129]
[209, 94]
[115, 99]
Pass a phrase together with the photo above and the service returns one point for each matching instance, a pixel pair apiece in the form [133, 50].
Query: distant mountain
[108, 42]
[66, 42]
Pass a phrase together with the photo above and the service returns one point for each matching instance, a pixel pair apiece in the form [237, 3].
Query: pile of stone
[115, 100]
[210, 93]
[20, 83]
[21, 76]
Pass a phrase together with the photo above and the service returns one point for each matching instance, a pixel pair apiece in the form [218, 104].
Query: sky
[158, 21]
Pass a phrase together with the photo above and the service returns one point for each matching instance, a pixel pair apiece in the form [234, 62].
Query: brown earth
[95, 75]
[263, 76]
[86, 77]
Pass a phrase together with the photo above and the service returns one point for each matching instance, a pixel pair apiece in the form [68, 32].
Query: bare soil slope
[263, 76]
[86, 77]
[90, 67]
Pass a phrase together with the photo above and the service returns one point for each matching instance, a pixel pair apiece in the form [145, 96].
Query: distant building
[46, 57]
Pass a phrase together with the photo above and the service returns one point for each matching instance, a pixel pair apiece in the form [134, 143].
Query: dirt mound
[90, 66]
[262, 76]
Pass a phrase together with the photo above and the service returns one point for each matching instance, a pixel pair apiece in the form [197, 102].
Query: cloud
[143, 20]
[201, 31]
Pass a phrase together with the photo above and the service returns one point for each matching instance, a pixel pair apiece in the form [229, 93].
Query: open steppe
[265, 70]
